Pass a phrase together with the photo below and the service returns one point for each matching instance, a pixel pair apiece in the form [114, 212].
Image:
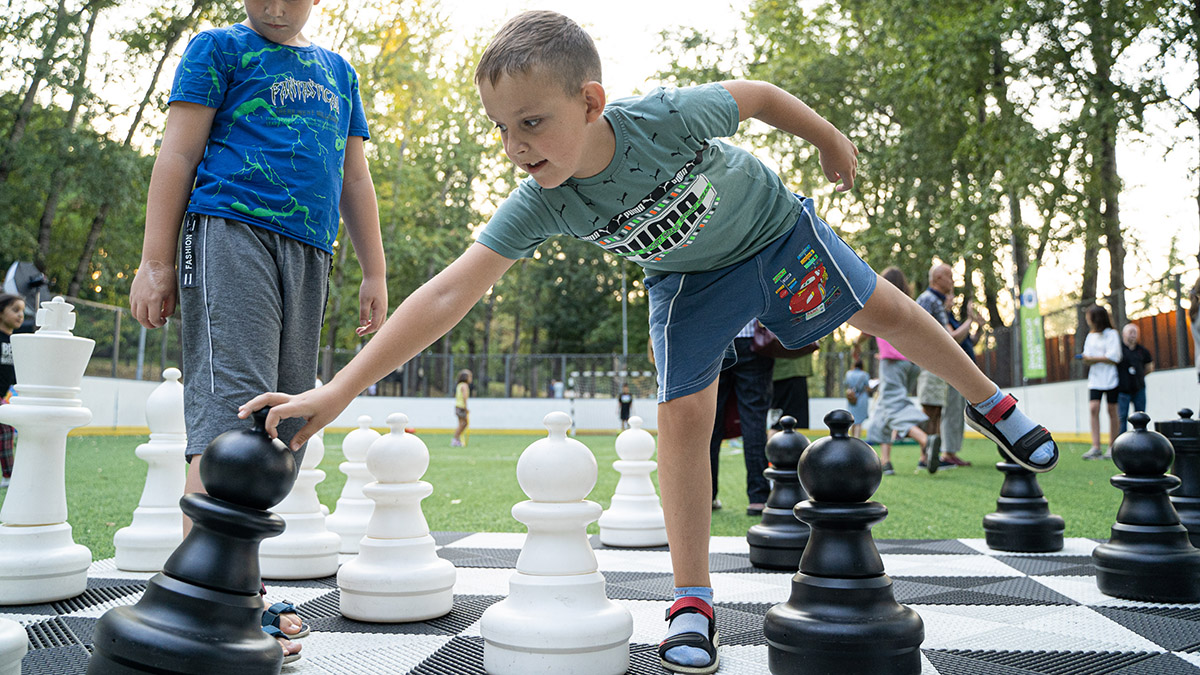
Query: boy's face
[279, 21]
[544, 129]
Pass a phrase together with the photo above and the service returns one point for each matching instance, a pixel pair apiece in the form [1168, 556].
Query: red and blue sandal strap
[1001, 410]
[688, 640]
[1031, 441]
[690, 605]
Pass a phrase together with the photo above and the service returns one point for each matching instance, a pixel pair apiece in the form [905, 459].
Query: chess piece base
[149, 540]
[1034, 533]
[396, 580]
[1188, 509]
[844, 626]
[556, 624]
[179, 628]
[305, 550]
[14, 643]
[777, 546]
[41, 564]
[1148, 563]
[633, 521]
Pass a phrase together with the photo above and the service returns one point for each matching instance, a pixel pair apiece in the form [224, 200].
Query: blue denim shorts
[802, 286]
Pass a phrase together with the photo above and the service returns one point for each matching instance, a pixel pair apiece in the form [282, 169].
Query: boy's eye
[501, 128]
[531, 123]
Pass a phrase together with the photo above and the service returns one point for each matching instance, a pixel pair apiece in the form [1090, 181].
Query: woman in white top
[1101, 353]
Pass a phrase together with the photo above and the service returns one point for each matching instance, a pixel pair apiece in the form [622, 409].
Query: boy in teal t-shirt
[722, 240]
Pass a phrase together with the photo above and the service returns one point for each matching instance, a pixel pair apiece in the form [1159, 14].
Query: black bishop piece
[778, 540]
[1149, 556]
[202, 614]
[842, 616]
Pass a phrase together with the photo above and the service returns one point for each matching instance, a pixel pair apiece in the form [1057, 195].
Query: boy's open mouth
[535, 166]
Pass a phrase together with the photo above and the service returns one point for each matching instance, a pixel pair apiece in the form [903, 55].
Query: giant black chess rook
[1149, 556]
[1022, 521]
[778, 540]
[842, 616]
[1184, 434]
[202, 614]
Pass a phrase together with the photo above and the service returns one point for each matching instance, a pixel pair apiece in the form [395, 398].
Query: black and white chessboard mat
[985, 613]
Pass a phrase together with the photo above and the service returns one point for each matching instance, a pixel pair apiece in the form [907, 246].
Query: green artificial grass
[475, 488]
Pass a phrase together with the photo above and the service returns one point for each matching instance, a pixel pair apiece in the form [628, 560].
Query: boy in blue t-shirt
[263, 149]
[721, 238]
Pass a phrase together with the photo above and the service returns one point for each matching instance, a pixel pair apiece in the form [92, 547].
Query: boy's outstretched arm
[360, 212]
[423, 317]
[768, 103]
[153, 293]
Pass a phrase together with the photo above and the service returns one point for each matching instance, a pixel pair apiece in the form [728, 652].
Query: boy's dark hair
[1099, 317]
[464, 375]
[894, 275]
[541, 39]
[858, 363]
[7, 299]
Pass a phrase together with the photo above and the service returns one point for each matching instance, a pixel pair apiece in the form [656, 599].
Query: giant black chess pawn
[778, 540]
[1022, 521]
[1184, 434]
[842, 616]
[1148, 556]
[202, 614]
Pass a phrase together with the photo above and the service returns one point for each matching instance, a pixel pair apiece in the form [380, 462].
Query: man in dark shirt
[1136, 362]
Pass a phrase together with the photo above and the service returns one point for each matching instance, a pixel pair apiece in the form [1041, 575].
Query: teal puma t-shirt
[673, 198]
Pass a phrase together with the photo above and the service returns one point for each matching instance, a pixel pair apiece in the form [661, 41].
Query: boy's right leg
[896, 318]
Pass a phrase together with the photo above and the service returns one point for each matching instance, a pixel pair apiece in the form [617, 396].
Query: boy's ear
[593, 95]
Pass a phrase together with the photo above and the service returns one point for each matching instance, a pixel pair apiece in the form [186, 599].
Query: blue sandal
[274, 632]
[270, 618]
[708, 643]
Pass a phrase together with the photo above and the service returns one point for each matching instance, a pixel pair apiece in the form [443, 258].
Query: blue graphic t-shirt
[673, 198]
[278, 140]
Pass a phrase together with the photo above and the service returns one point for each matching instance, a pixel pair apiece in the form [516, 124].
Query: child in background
[12, 313]
[1101, 353]
[625, 406]
[858, 393]
[462, 391]
[722, 240]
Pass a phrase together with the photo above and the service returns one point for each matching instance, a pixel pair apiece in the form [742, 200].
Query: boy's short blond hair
[541, 39]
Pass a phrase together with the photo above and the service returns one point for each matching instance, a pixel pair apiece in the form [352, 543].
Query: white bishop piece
[157, 526]
[635, 517]
[306, 549]
[14, 643]
[556, 618]
[39, 561]
[353, 509]
[397, 574]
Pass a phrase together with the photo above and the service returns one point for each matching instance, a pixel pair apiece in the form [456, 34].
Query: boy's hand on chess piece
[318, 406]
[839, 161]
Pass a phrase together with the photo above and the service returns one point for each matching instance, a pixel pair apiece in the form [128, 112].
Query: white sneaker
[1094, 453]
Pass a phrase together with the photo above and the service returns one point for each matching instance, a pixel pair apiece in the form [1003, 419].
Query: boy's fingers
[306, 432]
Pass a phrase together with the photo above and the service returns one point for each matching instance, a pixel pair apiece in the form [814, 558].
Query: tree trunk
[89, 248]
[1110, 182]
[78, 91]
[40, 71]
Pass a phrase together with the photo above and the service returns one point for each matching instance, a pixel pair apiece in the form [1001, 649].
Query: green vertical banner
[1033, 341]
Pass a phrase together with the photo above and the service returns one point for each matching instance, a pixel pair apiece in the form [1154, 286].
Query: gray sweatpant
[894, 411]
[251, 303]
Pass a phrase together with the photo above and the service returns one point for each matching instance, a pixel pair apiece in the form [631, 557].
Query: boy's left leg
[895, 317]
[684, 431]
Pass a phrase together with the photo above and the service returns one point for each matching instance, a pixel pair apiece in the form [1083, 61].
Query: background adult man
[1136, 363]
[931, 389]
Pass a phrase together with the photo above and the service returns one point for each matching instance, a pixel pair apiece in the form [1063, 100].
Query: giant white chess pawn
[397, 574]
[39, 561]
[306, 549]
[157, 526]
[635, 517]
[353, 509]
[556, 618]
